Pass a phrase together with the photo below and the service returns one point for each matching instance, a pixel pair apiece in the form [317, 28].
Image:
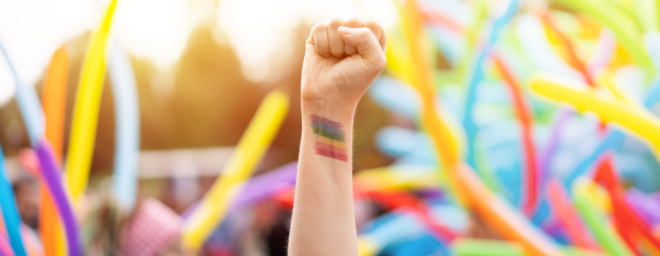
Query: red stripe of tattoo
[331, 154]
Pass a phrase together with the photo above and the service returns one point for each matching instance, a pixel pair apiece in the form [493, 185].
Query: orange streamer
[54, 104]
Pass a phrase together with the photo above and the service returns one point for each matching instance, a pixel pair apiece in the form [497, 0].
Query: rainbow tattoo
[331, 140]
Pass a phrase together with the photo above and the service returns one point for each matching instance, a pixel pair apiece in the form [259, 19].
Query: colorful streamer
[561, 205]
[54, 104]
[525, 116]
[86, 110]
[624, 30]
[127, 113]
[28, 103]
[12, 220]
[632, 117]
[469, 125]
[32, 113]
[607, 237]
[501, 216]
[248, 153]
[5, 247]
[51, 174]
[474, 247]
[54, 99]
[626, 221]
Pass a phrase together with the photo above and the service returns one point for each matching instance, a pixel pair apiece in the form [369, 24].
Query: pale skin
[342, 59]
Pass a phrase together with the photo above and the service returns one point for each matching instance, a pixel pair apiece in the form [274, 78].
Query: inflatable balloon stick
[620, 24]
[467, 247]
[51, 174]
[402, 200]
[54, 104]
[54, 99]
[28, 103]
[525, 117]
[596, 219]
[391, 227]
[568, 46]
[501, 216]
[474, 247]
[86, 110]
[248, 153]
[413, 65]
[32, 246]
[50, 227]
[561, 206]
[477, 76]
[468, 189]
[260, 188]
[631, 116]
[32, 114]
[397, 178]
[127, 113]
[12, 220]
[627, 221]
[5, 247]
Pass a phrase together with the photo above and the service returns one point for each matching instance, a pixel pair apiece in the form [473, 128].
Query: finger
[320, 39]
[336, 44]
[378, 32]
[352, 23]
[310, 47]
[364, 42]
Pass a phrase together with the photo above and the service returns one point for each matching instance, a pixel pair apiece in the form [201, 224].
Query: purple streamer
[261, 188]
[551, 147]
[51, 171]
[645, 205]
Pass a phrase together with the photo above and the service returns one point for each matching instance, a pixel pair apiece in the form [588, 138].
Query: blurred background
[202, 67]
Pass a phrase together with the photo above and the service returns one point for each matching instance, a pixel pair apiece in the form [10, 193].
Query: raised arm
[341, 60]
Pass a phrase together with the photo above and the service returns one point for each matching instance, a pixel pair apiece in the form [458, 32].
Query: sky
[31, 30]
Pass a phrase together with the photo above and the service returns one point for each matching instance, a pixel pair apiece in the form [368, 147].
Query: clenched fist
[342, 59]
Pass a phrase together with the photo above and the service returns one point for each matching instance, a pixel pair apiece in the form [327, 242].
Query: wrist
[328, 107]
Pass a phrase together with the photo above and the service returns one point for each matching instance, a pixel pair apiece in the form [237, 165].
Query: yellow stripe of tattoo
[335, 143]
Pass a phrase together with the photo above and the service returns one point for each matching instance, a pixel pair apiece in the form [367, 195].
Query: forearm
[323, 220]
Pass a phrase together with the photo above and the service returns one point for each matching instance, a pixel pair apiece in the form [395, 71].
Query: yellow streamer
[397, 178]
[630, 116]
[366, 247]
[413, 66]
[86, 111]
[606, 80]
[248, 153]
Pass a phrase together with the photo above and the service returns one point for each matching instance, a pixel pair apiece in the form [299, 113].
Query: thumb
[364, 41]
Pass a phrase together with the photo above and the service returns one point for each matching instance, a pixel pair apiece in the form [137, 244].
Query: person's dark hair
[25, 180]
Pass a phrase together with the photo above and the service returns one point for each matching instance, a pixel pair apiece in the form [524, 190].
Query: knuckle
[355, 22]
[372, 24]
[336, 22]
[364, 32]
[320, 27]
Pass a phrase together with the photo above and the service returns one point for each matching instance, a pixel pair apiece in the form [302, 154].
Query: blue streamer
[28, 103]
[478, 75]
[9, 211]
[128, 128]
[392, 228]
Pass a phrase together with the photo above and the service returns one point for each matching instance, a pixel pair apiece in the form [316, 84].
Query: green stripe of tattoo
[328, 134]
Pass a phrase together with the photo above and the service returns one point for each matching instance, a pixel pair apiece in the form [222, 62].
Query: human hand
[342, 59]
